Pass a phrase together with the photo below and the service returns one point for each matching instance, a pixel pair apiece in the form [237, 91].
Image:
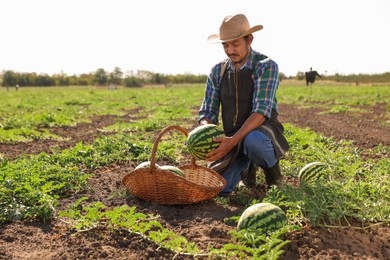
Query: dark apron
[271, 127]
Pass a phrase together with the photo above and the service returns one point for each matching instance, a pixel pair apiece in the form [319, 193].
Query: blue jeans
[258, 149]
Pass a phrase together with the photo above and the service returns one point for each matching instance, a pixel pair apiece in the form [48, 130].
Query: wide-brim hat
[233, 27]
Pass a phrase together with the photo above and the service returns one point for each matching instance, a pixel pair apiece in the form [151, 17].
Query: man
[244, 86]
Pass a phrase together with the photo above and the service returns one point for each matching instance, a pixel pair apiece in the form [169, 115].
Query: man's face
[238, 50]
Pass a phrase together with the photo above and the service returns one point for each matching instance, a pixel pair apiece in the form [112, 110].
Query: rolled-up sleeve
[266, 81]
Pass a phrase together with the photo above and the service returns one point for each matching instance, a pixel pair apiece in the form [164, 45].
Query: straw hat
[233, 27]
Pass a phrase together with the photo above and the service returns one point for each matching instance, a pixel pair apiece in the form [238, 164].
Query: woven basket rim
[159, 170]
[170, 177]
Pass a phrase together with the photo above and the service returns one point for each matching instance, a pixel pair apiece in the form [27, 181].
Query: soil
[201, 223]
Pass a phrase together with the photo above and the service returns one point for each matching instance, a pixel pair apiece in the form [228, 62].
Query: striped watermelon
[146, 165]
[173, 169]
[200, 140]
[311, 172]
[265, 216]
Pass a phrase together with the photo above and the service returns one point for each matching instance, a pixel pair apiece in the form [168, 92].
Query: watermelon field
[65, 150]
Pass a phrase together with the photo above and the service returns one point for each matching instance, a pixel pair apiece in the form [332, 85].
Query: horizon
[167, 74]
[70, 37]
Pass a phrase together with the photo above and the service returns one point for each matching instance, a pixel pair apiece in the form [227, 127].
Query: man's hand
[225, 146]
[205, 121]
[228, 143]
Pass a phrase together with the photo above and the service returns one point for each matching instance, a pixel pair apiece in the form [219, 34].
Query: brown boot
[273, 176]
[249, 175]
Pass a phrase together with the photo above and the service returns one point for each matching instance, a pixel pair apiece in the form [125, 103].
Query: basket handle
[158, 140]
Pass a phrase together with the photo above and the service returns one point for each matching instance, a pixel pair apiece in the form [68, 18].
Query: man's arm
[209, 110]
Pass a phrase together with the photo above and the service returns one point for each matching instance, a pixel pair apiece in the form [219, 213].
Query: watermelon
[173, 169]
[311, 172]
[146, 165]
[200, 140]
[265, 216]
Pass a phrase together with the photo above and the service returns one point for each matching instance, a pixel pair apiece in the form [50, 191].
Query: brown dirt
[365, 129]
[201, 223]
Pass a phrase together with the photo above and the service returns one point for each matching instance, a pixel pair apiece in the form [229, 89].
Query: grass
[126, 219]
[31, 186]
[27, 114]
[329, 95]
[353, 187]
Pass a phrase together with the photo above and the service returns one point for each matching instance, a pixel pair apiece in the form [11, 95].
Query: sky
[170, 37]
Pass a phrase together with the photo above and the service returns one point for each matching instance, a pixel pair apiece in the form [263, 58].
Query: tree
[61, 79]
[160, 79]
[27, 79]
[100, 77]
[300, 75]
[45, 80]
[282, 76]
[85, 80]
[116, 76]
[10, 78]
[131, 81]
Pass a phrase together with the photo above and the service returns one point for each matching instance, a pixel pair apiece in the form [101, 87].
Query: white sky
[80, 36]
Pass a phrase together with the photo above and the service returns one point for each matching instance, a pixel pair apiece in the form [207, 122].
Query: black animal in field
[311, 76]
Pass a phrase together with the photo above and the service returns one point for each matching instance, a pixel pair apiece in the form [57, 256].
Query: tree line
[100, 77]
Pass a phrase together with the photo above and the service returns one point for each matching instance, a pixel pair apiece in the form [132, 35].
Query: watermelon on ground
[265, 216]
[311, 172]
[200, 140]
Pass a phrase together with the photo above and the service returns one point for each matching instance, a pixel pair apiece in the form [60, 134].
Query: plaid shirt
[266, 81]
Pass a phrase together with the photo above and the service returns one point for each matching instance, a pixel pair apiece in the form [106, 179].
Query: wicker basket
[161, 186]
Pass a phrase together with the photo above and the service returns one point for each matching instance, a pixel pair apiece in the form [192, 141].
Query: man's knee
[258, 143]
[258, 148]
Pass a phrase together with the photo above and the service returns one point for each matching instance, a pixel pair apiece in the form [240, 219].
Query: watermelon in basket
[160, 185]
